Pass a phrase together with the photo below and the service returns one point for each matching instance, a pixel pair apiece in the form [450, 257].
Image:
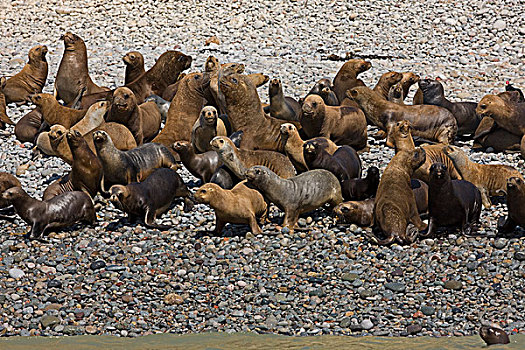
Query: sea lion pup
[296, 195]
[345, 163]
[432, 123]
[493, 334]
[400, 138]
[395, 205]
[4, 118]
[124, 167]
[409, 79]
[73, 73]
[515, 205]
[125, 110]
[346, 77]
[508, 115]
[86, 170]
[464, 112]
[206, 128]
[30, 80]
[451, 203]
[200, 165]
[58, 212]
[360, 189]
[293, 146]
[6, 182]
[134, 62]
[152, 197]
[343, 125]
[28, 127]
[54, 113]
[238, 159]
[240, 205]
[386, 81]
[490, 179]
[395, 94]
[282, 107]
[323, 87]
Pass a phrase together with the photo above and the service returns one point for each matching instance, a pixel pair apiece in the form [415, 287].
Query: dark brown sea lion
[54, 113]
[386, 81]
[125, 110]
[343, 125]
[451, 203]
[515, 205]
[6, 182]
[205, 128]
[134, 62]
[345, 163]
[86, 170]
[360, 189]
[429, 122]
[490, 179]
[4, 118]
[72, 76]
[124, 167]
[493, 334]
[240, 205]
[239, 160]
[200, 165]
[172, 89]
[490, 135]
[323, 87]
[296, 195]
[346, 77]
[152, 197]
[30, 80]
[395, 205]
[409, 79]
[464, 112]
[60, 211]
[282, 107]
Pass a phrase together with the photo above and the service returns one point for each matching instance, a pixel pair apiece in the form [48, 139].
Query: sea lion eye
[483, 106]
[314, 104]
[234, 80]
[203, 191]
[126, 96]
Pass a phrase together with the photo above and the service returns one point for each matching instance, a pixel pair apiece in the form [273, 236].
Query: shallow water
[243, 341]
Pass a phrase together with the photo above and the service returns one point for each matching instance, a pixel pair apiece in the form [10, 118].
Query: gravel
[128, 280]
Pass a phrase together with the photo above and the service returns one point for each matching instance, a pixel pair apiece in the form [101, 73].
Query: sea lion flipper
[486, 125]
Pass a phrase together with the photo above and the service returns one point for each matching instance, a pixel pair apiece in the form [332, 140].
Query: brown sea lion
[72, 77]
[345, 163]
[429, 122]
[27, 128]
[60, 211]
[346, 77]
[515, 205]
[282, 107]
[134, 62]
[200, 165]
[386, 81]
[30, 80]
[409, 79]
[205, 128]
[400, 137]
[296, 195]
[343, 125]
[362, 188]
[125, 110]
[4, 118]
[172, 89]
[86, 170]
[59, 186]
[490, 179]
[323, 87]
[395, 205]
[493, 334]
[464, 112]
[54, 113]
[124, 167]
[240, 205]
[6, 182]
[490, 135]
[507, 115]
[395, 94]
[152, 197]
[151, 120]
[238, 160]
[222, 71]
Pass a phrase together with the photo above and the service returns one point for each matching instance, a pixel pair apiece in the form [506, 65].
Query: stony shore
[326, 279]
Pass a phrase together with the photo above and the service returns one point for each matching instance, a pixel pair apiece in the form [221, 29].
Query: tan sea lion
[4, 118]
[386, 81]
[125, 110]
[409, 79]
[54, 113]
[134, 62]
[205, 128]
[507, 115]
[346, 77]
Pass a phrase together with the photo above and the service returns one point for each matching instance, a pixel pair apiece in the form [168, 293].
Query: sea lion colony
[310, 144]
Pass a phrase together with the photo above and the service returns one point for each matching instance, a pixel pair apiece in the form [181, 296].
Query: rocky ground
[325, 279]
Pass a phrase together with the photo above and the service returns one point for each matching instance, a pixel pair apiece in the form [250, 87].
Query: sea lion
[6, 182]
[162, 105]
[134, 62]
[124, 167]
[493, 334]
[124, 109]
[490, 179]
[27, 128]
[409, 79]
[346, 77]
[172, 89]
[451, 203]
[489, 134]
[54, 113]
[72, 77]
[323, 87]
[356, 212]
[343, 125]
[386, 81]
[515, 205]
[345, 163]
[395, 94]
[30, 80]
[60, 211]
[360, 189]
[238, 159]
[282, 107]
[395, 205]
[200, 165]
[206, 128]
[240, 205]
[151, 120]
[464, 112]
[429, 122]
[4, 118]
[296, 195]
[220, 71]
[293, 146]
[59, 186]
[510, 88]
[152, 197]
[86, 170]
[507, 115]
[400, 137]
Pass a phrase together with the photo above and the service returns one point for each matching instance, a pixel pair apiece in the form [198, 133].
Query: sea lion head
[355, 66]
[181, 146]
[74, 138]
[204, 193]
[439, 172]
[324, 83]
[313, 105]
[12, 193]
[71, 40]
[429, 85]
[100, 137]
[397, 91]
[259, 175]
[57, 132]
[418, 157]
[238, 89]
[209, 116]
[493, 334]
[38, 53]
[287, 129]
[360, 94]
[409, 78]
[490, 105]
[134, 59]
[391, 78]
[310, 149]
[171, 63]
[221, 144]
[43, 99]
[117, 194]
[347, 212]
[232, 68]
[372, 173]
[123, 99]
[514, 183]
[274, 87]
[211, 65]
